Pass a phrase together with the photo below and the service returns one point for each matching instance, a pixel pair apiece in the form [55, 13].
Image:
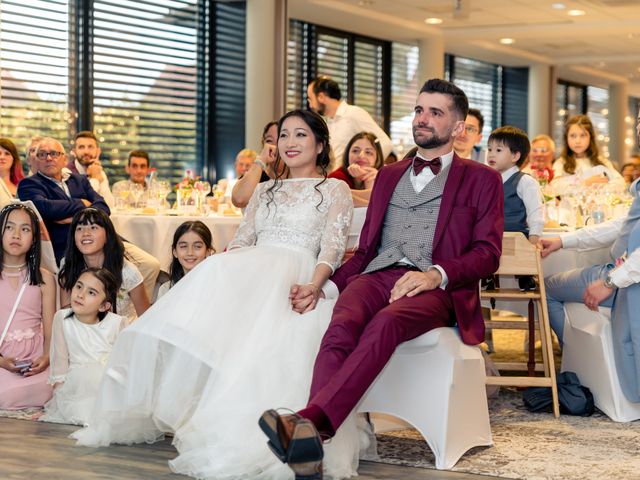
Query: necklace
[22, 265]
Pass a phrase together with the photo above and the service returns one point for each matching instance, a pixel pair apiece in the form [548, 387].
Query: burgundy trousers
[364, 332]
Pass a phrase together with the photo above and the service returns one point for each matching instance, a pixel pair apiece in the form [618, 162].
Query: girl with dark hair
[262, 169]
[27, 305]
[360, 164]
[80, 347]
[192, 243]
[228, 340]
[580, 161]
[10, 171]
[94, 243]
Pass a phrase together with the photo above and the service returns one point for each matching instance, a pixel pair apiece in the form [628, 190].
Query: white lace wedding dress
[223, 344]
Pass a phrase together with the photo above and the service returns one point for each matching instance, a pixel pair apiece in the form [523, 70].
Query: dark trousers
[364, 332]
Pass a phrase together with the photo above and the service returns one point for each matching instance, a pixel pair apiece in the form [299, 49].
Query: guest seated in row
[10, 171]
[360, 164]
[86, 161]
[57, 195]
[27, 305]
[631, 171]
[192, 243]
[540, 164]
[95, 244]
[467, 144]
[260, 170]
[137, 168]
[245, 158]
[581, 162]
[507, 149]
[79, 349]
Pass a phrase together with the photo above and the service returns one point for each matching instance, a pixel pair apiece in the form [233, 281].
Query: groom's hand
[412, 283]
[304, 298]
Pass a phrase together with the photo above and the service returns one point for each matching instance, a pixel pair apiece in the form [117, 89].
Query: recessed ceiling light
[576, 13]
[433, 21]
[507, 41]
[558, 6]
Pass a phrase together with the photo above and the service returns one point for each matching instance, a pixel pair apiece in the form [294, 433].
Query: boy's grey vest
[410, 223]
[515, 213]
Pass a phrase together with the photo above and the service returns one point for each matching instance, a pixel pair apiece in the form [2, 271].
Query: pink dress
[24, 341]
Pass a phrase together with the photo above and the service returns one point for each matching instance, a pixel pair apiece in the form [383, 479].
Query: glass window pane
[404, 90]
[598, 102]
[368, 80]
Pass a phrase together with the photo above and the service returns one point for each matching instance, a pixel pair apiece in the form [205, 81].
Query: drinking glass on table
[121, 193]
[162, 189]
[203, 188]
[136, 190]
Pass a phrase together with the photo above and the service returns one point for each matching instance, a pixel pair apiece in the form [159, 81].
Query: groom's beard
[430, 142]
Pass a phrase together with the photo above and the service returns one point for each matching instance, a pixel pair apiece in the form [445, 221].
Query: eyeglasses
[539, 150]
[471, 129]
[42, 155]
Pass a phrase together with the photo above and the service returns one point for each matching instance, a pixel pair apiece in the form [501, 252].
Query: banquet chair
[588, 351]
[437, 384]
[353, 237]
[520, 257]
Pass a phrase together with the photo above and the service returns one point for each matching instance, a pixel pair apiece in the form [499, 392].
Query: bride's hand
[304, 298]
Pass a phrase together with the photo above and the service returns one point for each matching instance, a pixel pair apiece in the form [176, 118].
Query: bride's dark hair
[321, 133]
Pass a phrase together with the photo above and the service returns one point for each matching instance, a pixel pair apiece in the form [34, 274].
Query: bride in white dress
[224, 344]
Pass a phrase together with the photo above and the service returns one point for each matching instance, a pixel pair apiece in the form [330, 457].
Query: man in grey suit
[615, 284]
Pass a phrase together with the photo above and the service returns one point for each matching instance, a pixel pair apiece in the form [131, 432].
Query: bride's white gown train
[223, 344]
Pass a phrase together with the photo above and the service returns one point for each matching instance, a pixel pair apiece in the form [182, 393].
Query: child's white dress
[79, 353]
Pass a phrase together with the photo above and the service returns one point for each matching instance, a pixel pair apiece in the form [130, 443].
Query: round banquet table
[154, 233]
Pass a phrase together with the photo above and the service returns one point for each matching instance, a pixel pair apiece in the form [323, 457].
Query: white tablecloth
[154, 233]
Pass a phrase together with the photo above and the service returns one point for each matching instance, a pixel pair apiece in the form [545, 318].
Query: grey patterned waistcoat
[410, 223]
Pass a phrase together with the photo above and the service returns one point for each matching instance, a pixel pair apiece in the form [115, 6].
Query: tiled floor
[30, 450]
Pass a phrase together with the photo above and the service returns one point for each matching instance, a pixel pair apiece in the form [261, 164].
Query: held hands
[8, 363]
[304, 298]
[596, 179]
[548, 245]
[268, 154]
[367, 175]
[412, 283]
[595, 293]
[39, 365]
[95, 170]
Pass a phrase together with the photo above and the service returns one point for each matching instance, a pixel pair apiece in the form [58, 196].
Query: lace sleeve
[334, 237]
[246, 234]
[59, 353]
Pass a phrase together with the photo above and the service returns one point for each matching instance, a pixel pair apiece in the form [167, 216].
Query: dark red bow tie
[420, 163]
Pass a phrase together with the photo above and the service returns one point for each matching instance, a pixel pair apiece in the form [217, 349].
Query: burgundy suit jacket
[468, 237]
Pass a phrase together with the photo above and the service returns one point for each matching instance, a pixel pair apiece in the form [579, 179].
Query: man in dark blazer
[57, 196]
[433, 229]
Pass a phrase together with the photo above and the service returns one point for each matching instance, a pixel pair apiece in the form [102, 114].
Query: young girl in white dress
[224, 343]
[95, 244]
[83, 336]
[192, 243]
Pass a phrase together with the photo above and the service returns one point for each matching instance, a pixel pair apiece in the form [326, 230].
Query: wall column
[540, 100]
[266, 66]
[430, 59]
[618, 104]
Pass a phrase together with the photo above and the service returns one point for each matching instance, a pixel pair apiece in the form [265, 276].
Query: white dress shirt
[418, 182]
[531, 195]
[348, 121]
[100, 186]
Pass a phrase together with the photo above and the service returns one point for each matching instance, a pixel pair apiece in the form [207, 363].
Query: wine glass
[203, 188]
[121, 193]
[136, 190]
[163, 188]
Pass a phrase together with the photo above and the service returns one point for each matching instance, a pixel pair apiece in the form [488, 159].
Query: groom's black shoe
[295, 441]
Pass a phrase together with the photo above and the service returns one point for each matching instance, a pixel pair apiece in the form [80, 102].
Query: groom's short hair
[459, 98]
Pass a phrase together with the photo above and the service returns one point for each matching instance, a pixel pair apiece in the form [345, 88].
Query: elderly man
[465, 143]
[433, 230]
[541, 157]
[343, 120]
[615, 284]
[56, 194]
[87, 162]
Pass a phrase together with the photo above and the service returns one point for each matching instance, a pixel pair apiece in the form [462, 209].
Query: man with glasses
[471, 136]
[56, 194]
[541, 157]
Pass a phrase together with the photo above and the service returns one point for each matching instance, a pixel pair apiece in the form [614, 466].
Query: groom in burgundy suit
[433, 230]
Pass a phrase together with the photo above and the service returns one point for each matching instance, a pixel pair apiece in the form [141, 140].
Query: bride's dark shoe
[295, 441]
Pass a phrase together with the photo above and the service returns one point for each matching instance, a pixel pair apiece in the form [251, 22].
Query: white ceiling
[600, 47]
